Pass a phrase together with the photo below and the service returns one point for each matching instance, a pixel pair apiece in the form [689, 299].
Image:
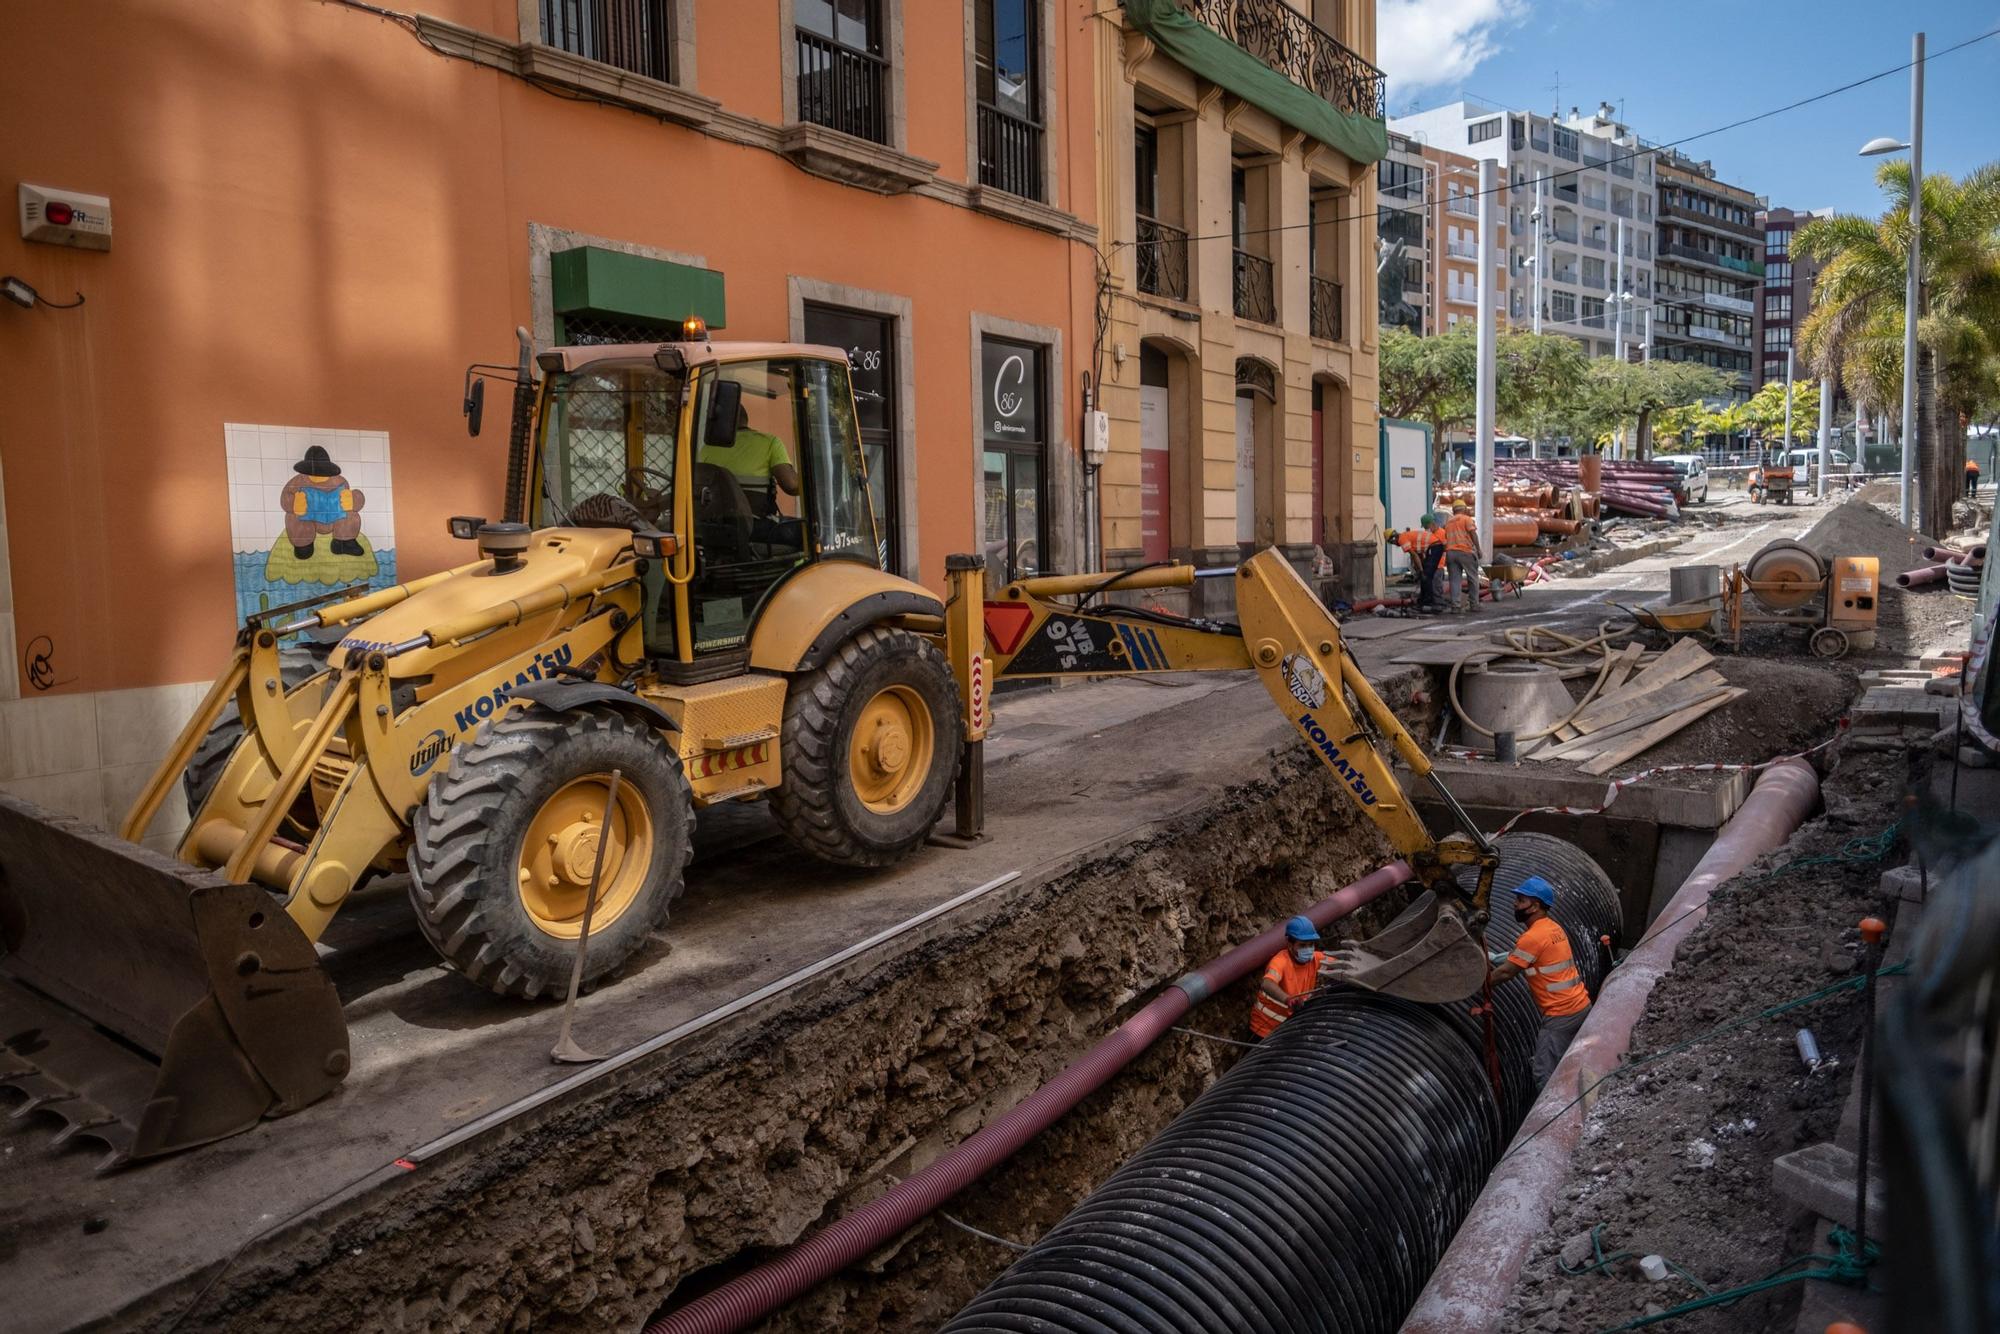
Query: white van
[1691, 486]
[1803, 459]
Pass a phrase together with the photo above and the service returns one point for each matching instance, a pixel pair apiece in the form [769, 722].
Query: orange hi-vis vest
[1461, 534]
[1543, 955]
[1413, 541]
[1295, 979]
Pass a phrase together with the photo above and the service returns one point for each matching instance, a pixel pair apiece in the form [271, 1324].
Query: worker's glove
[1497, 957]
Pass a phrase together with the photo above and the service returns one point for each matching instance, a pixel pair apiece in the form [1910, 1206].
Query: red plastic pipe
[1923, 574]
[1468, 1290]
[846, 1240]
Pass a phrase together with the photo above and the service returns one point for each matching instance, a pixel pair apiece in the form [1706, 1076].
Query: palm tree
[1855, 330]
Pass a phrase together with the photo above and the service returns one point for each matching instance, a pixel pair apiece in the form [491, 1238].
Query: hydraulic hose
[1315, 1185]
[846, 1240]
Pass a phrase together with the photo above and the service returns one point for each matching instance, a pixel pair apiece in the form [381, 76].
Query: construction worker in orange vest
[1542, 955]
[1292, 975]
[1425, 547]
[1461, 559]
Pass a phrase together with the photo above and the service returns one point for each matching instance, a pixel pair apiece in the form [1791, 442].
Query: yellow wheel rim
[889, 755]
[559, 852]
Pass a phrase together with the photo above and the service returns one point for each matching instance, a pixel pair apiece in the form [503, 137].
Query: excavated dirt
[599, 1216]
[1792, 705]
[1676, 1157]
[1856, 528]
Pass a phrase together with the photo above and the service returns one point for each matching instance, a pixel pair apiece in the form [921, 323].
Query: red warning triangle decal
[1007, 625]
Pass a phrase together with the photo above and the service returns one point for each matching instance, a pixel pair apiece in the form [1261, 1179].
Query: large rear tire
[871, 745]
[296, 666]
[506, 839]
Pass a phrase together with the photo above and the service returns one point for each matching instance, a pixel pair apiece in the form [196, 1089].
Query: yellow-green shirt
[750, 457]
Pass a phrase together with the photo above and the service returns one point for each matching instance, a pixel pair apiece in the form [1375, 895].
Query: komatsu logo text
[1317, 734]
[492, 701]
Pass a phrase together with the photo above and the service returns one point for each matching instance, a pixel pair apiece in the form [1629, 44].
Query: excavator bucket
[151, 1005]
[1427, 954]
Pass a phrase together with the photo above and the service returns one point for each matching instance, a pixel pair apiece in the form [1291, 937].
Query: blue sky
[1712, 63]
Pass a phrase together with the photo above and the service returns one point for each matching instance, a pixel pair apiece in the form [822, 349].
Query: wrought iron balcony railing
[635, 35]
[1326, 320]
[1256, 296]
[1297, 48]
[1162, 252]
[842, 88]
[1010, 152]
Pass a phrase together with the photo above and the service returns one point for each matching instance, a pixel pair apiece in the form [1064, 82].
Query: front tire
[506, 840]
[871, 745]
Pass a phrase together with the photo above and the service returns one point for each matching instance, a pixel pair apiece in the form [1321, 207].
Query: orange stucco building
[321, 214]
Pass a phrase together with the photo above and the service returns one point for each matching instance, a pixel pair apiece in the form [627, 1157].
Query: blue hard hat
[1534, 887]
[1301, 928]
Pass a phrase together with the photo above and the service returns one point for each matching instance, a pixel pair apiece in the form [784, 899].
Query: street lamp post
[1618, 294]
[1913, 281]
[1539, 262]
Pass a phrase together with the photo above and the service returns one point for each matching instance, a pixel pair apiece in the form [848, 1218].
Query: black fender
[563, 696]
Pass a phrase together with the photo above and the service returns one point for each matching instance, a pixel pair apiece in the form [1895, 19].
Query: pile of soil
[1676, 1157]
[1857, 528]
[1793, 704]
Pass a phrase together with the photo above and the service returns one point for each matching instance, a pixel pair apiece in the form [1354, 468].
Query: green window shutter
[603, 296]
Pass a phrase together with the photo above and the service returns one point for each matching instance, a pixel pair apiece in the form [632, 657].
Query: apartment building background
[1710, 269]
[1595, 186]
[1427, 223]
[1239, 362]
[1786, 292]
[322, 214]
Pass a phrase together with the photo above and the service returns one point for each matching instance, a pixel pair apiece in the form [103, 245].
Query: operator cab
[746, 455]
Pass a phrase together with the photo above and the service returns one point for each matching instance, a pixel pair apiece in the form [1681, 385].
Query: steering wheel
[650, 499]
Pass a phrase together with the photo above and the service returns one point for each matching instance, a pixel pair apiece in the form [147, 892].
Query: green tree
[1620, 395]
[1855, 330]
[1537, 375]
[1765, 413]
[1429, 380]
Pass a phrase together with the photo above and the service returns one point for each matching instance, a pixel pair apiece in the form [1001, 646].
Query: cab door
[788, 488]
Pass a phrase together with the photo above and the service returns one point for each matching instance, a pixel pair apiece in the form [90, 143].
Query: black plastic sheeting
[1314, 1186]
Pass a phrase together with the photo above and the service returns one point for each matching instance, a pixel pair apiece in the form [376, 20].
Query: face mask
[1521, 914]
[1302, 953]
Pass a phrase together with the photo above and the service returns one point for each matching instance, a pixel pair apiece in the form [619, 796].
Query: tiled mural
[310, 510]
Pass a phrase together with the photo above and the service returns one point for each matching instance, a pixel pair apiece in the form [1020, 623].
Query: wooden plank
[1684, 659]
[1623, 664]
[1603, 737]
[1634, 700]
[1646, 738]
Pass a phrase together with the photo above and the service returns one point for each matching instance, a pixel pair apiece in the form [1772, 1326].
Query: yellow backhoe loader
[684, 592]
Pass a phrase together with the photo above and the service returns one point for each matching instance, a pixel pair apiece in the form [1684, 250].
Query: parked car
[1809, 458]
[1691, 488]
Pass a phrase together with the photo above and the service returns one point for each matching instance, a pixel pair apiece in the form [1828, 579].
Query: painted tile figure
[318, 500]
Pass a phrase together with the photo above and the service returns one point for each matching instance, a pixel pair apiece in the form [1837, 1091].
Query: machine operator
[759, 462]
[1542, 955]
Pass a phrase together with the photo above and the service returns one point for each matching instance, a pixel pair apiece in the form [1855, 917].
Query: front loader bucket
[1427, 954]
[151, 1004]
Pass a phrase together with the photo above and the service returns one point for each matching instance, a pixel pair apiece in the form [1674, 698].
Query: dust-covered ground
[1676, 1156]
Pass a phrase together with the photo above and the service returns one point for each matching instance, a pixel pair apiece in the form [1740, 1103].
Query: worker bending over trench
[1542, 955]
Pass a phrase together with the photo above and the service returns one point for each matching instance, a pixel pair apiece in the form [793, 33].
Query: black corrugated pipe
[1316, 1184]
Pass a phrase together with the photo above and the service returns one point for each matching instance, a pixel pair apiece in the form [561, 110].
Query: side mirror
[475, 405]
[724, 402]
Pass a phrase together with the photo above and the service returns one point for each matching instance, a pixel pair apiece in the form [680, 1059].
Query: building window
[1015, 445]
[1482, 130]
[1779, 336]
[1778, 307]
[1777, 241]
[1006, 55]
[634, 35]
[1562, 306]
[1778, 274]
[843, 75]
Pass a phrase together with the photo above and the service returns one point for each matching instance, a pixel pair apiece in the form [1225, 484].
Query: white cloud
[1432, 43]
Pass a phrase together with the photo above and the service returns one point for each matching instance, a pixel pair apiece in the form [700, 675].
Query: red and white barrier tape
[1620, 784]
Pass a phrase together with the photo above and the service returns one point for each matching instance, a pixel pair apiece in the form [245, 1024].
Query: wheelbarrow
[1679, 618]
[1507, 576]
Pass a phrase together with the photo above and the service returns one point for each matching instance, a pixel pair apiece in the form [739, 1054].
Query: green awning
[1221, 61]
[595, 281]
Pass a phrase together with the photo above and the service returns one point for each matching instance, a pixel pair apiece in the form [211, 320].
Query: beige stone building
[1238, 363]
